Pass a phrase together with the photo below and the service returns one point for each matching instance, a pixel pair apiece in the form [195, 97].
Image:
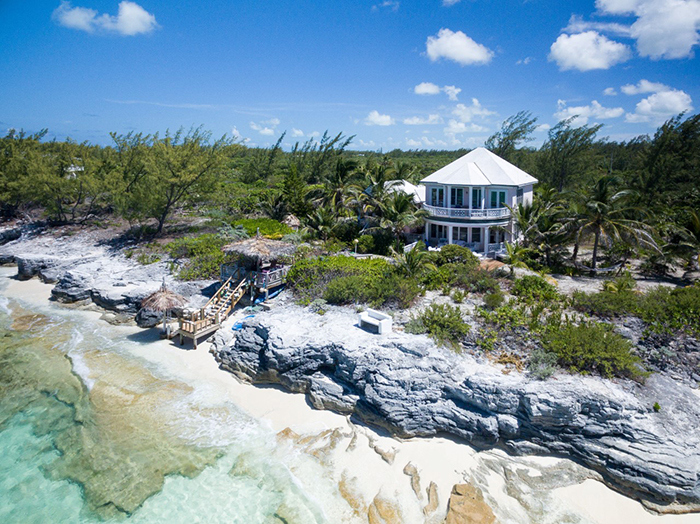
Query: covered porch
[480, 239]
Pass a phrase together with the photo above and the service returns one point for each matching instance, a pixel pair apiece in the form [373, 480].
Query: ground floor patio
[479, 238]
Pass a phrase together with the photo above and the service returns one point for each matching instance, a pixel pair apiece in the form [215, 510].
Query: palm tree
[337, 184]
[606, 217]
[399, 211]
[516, 256]
[322, 222]
[414, 262]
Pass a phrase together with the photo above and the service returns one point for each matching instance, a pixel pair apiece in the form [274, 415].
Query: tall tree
[608, 216]
[514, 131]
[566, 152]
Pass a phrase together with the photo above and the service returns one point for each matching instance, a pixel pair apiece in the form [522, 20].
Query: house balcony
[453, 212]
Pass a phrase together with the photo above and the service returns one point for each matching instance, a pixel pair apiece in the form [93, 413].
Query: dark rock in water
[146, 318]
[413, 388]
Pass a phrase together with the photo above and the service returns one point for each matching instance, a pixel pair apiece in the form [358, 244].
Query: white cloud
[467, 113]
[449, 2]
[454, 127]
[131, 19]
[584, 113]
[452, 92]
[235, 133]
[543, 127]
[297, 132]
[419, 121]
[663, 28]
[458, 47]
[387, 4]
[314, 134]
[587, 51]
[426, 88]
[370, 143]
[661, 106]
[578, 25]
[266, 127]
[425, 142]
[610, 91]
[376, 119]
[644, 86]
[524, 61]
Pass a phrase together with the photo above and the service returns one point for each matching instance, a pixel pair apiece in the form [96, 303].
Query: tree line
[637, 197]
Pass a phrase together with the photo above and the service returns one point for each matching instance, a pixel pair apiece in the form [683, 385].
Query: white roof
[480, 167]
[418, 192]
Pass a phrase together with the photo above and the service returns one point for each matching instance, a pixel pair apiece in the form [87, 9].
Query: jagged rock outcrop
[84, 269]
[408, 385]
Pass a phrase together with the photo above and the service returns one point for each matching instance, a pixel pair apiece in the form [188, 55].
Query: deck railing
[268, 279]
[467, 213]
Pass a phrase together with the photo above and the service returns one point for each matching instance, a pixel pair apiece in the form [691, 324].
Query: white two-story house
[468, 201]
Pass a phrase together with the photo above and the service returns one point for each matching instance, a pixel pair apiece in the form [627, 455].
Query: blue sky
[423, 74]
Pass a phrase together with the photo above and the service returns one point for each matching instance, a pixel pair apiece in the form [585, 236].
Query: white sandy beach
[362, 470]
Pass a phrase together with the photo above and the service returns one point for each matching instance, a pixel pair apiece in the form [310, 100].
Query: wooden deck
[208, 319]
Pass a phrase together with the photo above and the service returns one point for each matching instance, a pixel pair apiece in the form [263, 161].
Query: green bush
[365, 244]
[532, 288]
[442, 322]
[494, 299]
[463, 276]
[606, 303]
[506, 316]
[454, 254]
[347, 280]
[203, 256]
[458, 296]
[667, 310]
[542, 364]
[268, 227]
[592, 347]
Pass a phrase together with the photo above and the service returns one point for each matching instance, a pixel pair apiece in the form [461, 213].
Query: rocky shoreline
[85, 268]
[409, 386]
[404, 382]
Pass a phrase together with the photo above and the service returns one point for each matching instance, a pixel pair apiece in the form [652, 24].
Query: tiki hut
[163, 301]
[260, 249]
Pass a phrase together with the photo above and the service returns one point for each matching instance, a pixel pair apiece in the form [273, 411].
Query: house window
[498, 199]
[476, 235]
[457, 197]
[462, 233]
[433, 231]
[476, 198]
[438, 197]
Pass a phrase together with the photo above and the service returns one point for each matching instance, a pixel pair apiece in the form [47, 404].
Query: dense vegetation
[599, 204]
[615, 199]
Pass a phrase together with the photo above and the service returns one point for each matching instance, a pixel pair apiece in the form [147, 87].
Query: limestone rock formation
[413, 388]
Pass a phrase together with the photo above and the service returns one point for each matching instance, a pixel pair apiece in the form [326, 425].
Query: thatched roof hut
[163, 301]
[261, 249]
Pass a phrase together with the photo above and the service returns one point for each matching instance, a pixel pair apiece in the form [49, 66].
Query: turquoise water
[128, 442]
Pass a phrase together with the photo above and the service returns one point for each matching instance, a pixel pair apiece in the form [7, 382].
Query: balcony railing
[467, 213]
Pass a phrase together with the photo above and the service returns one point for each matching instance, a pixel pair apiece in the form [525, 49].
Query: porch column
[427, 231]
[449, 234]
[486, 239]
[483, 197]
[448, 197]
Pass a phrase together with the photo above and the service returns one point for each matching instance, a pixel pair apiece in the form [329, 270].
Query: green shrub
[347, 280]
[667, 310]
[542, 364]
[268, 227]
[506, 316]
[532, 288]
[494, 299]
[203, 256]
[470, 279]
[592, 347]
[656, 407]
[606, 303]
[454, 254]
[458, 296]
[365, 244]
[442, 322]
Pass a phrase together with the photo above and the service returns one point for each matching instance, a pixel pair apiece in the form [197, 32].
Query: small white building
[467, 201]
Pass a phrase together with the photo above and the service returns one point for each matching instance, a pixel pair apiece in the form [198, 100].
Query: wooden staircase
[208, 319]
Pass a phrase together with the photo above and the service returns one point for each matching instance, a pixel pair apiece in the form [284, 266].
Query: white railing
[466, 213]
[496, 248]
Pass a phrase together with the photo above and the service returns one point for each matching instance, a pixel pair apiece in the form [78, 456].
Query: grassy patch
[442, 322]
[268, 227]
